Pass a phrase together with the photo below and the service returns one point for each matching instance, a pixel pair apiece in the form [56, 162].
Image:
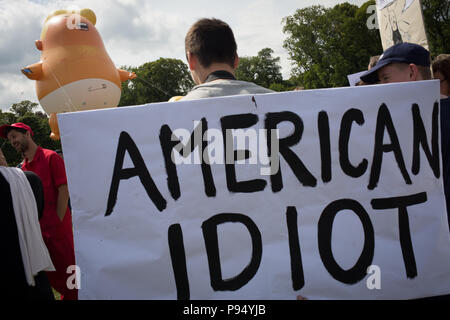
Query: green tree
[156, 81]
[7, 118]
[327, 44]
[22, 108]
[286, 85]
[437, 22]
[262, 69]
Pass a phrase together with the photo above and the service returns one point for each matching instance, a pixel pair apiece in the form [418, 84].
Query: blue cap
[400, 53]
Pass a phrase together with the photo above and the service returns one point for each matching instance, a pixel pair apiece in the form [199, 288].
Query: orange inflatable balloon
[53, 121]
[75, 72]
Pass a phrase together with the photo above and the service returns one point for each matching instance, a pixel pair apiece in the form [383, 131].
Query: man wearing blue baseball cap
[411, 62]
[400, 63]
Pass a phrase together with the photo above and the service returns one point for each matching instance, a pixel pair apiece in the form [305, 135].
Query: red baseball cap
[19, 125]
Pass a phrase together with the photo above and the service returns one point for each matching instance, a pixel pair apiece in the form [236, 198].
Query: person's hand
[3, 162]
[299, 297]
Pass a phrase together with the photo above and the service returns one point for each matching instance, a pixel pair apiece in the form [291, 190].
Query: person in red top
[56, 222]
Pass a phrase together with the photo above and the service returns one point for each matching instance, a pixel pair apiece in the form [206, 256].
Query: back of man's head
[211, 41]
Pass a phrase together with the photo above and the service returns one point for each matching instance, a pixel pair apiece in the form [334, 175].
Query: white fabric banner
[355, 211]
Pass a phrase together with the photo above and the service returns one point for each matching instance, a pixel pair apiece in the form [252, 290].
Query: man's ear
[413, 72]
[29, 136]
[192, 60]
[236, 61]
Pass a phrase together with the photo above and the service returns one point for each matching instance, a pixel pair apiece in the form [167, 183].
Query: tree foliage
[262, 69]
[22, 108]
[156, 81]
[38, 121]
[327, 44]
[437, 22]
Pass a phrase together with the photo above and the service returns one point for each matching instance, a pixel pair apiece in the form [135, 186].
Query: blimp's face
[70, 30]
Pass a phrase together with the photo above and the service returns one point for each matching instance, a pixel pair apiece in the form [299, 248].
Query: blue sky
[139, 31]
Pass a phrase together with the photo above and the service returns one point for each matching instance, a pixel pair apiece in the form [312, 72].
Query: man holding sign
[411, 62]
[400, 63]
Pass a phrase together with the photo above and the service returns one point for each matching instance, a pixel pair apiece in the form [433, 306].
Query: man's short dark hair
[425, 72]
[211, 41]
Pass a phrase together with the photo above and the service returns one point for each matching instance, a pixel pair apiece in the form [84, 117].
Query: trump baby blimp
[75, 72]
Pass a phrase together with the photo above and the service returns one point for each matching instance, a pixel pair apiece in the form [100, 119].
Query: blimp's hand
[33, 72]
[126, 75]
[132, 76]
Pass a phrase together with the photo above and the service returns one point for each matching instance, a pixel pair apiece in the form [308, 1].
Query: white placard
[381, 4]
[354, 214]
[401, 21]
[354, 78]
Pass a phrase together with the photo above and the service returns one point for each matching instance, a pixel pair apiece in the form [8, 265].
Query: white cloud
[139, 31]
[14, 89]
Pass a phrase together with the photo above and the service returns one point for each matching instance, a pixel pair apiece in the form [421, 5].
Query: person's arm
[63, 200]
[60, 181]
[38, 191]
[3, 162]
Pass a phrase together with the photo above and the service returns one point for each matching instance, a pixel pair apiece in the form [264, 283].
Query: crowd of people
[211, 52]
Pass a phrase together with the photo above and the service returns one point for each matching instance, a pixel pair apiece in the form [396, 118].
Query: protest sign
[350, 207]
[401, 21]
[354, 78]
